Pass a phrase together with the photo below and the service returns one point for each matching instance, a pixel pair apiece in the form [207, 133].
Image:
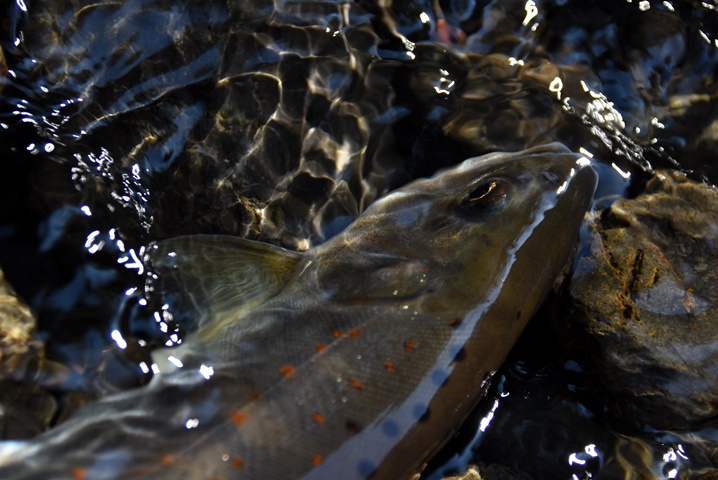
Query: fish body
[355, 359]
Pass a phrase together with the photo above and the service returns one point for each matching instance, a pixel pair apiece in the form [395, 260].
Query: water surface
[125, 122]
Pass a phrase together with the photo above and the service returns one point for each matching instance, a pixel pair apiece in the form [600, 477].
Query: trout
[356, 359]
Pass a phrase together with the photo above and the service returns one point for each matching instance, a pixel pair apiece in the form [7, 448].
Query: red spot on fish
[287, 371]
[455, 322]
[238, 417]
[389, 366]
[409, 345]
[447, 33]
[254, 395]
[79, 473]
[320, 347]
[354, 332]
[356, 384]
[317, 459]
[238, 463]
[166, 459]
[318, 417]
[337, 333]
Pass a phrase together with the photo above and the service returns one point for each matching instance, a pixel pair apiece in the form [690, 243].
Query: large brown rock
[646, 292]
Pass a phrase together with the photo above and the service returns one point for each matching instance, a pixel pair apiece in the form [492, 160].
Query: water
[122, 123]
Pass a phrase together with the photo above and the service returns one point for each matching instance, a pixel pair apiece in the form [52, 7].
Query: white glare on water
[531, 11]
[585, 152]
[486, 421]
[117, 337]
[206, 371]
[625, 175]
[176, 361]
[556, 86]
[132, 260]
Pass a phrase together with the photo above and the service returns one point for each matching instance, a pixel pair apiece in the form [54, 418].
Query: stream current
[125, 122]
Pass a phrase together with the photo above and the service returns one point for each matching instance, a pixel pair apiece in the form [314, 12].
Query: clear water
[126, 122]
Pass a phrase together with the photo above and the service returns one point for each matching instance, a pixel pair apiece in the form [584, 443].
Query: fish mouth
[578, 173]
[584, 176]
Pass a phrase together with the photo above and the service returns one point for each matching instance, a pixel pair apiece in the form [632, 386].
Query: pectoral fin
[217, 277]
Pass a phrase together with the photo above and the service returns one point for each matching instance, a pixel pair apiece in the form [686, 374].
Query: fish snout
[571, 171]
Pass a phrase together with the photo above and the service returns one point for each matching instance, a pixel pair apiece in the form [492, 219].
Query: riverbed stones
[645, 290]
[492, 471]
[25, 410]
[17, 325]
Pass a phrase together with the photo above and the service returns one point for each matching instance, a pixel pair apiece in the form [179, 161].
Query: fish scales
[356, 359]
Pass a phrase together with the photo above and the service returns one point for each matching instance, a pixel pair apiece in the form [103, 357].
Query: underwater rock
[470, 474]
[492, 471]
[27, 405]
[18, 346]
[644, 289]
[25, 410]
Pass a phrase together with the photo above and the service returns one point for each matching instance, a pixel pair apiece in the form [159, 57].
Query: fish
[355, 359]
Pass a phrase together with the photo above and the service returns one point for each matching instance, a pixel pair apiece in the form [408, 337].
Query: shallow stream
[126, 122]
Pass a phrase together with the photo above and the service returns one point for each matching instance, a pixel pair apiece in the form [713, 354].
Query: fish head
[450, 269]
[468, 225]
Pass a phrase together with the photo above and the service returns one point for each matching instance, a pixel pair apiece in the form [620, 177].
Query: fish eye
[486, 194]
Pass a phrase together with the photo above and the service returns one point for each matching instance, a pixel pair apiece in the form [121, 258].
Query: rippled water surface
[126, 122]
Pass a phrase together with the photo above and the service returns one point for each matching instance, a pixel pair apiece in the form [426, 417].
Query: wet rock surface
[31, 396]
[25, 410]
[645, 291]
[491, 472]
[18, 346]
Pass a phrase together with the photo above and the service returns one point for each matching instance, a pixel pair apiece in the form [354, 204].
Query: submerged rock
[645, 290]
[491, 472]
[18, 346]
[25, 410]
[27, 378]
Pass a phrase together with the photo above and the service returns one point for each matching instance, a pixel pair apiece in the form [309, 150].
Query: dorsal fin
[218, 277]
